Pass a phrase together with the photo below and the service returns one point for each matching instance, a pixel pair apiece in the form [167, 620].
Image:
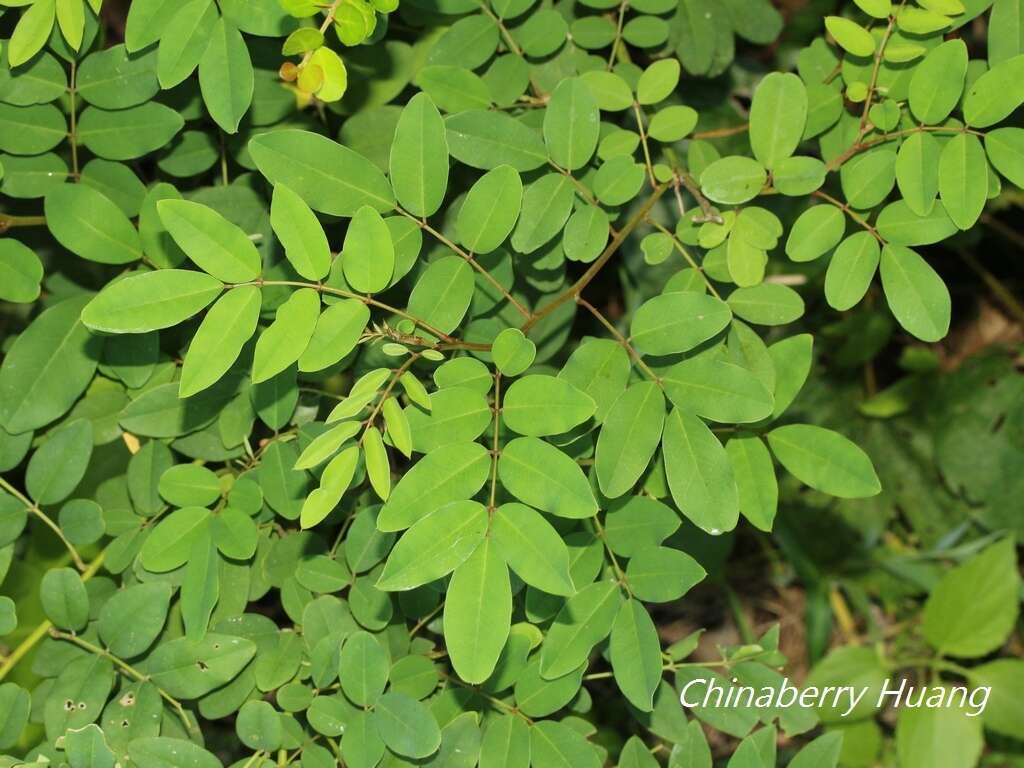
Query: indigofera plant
[379, 399]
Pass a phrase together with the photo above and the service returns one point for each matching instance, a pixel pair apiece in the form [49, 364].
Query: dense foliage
[416, 385]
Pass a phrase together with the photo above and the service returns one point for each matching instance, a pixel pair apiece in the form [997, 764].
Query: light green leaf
[733, 180]
[973, 608]
[378, 465]
[506, 743]
[916, 294]
[188, 669]
[217, 246]
[963, 179]
[89, 224]
[767, 304]
[571, 124]
[337, 332]
[557, 745]
[21, 272]
[478, 613]
[363, 668]
[218, 341]
[296, 226]
[996, 94]
[824, 460]
[187, 30]
[167, 752]
[31, 32]
[938, 82]
[489, 212]
[150, 300]
[635, 654]
[419, 157]
[1005, 148]
[778, 115]
[700, 475]
[755, 479]
[285, 340]
[547, 203]
[658, 81]
[629, 437]
[170, 542]
[443, 292]
[407, 726]
[917, 172]
[850, 36]
[451, 473]
[336, 479]
[818, 230]
[532, 548]
[851, 270]
[583, 622]
[717, 390]
[677, 322]
[539, 405]
[943, 737]
[64, 599]
[226, 76]
[434, 546]
[331, 178]
[486, 139]
[538, 474]
[368, 257]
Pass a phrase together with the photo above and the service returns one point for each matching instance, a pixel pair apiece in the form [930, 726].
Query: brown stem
[694, 189]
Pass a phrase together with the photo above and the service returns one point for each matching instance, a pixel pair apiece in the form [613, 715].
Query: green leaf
[490, 210]
[629, 437]
[378, 465]
[547, 203]
[363, 668]
[917, 172]
[331, 178]
[114, 79]
[658, 81]
[540, 405]
[778, 115]
[916, 294]
[486, 139]
[755, 479]
[700, 475]
[717, 390]
[538, 474]
[851, 270]
[226, 76]
[337, 332]
[57, 466]
[434, 546]
[850, 36]
[150, 301]
[258, 726]
[1005, 678]
[31, 392]
[285, 340]
[879, 9]
[443, 292]
[824, 460]
[733, 180]
[419, 157]
[125, 134]
[478, 613]
[89, 225]
[336, 479]
[31, 32]
[200, 586]
[532, 548]
[899, 225]
[963, 179]
[1005, 148]
[87, 747]
[996, 94]
[21, 272]
[170, 542]
[407, 726]
[188, 669]
[218, 341]
[584, 621]
[368, 257]
[571, 125]
[767, 304]
[64, 599]
[973, 608]
[214, 244]
[456, 415]
[299, 231]
[167, 752]
[938, 82]
[15, 704]
[133, 618]
[940, 736]
[451, 473]
[677, 322]
[513, 352]
[635, 654]
[506, 743]
[818, 230]
[823, 752]
[558, 745]
[185, 38]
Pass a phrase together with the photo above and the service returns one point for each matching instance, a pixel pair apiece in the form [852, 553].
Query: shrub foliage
[375, 377]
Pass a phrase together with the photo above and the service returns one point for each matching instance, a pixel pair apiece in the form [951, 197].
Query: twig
[32, 507]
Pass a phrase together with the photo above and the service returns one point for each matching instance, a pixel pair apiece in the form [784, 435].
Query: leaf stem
[35, 510]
